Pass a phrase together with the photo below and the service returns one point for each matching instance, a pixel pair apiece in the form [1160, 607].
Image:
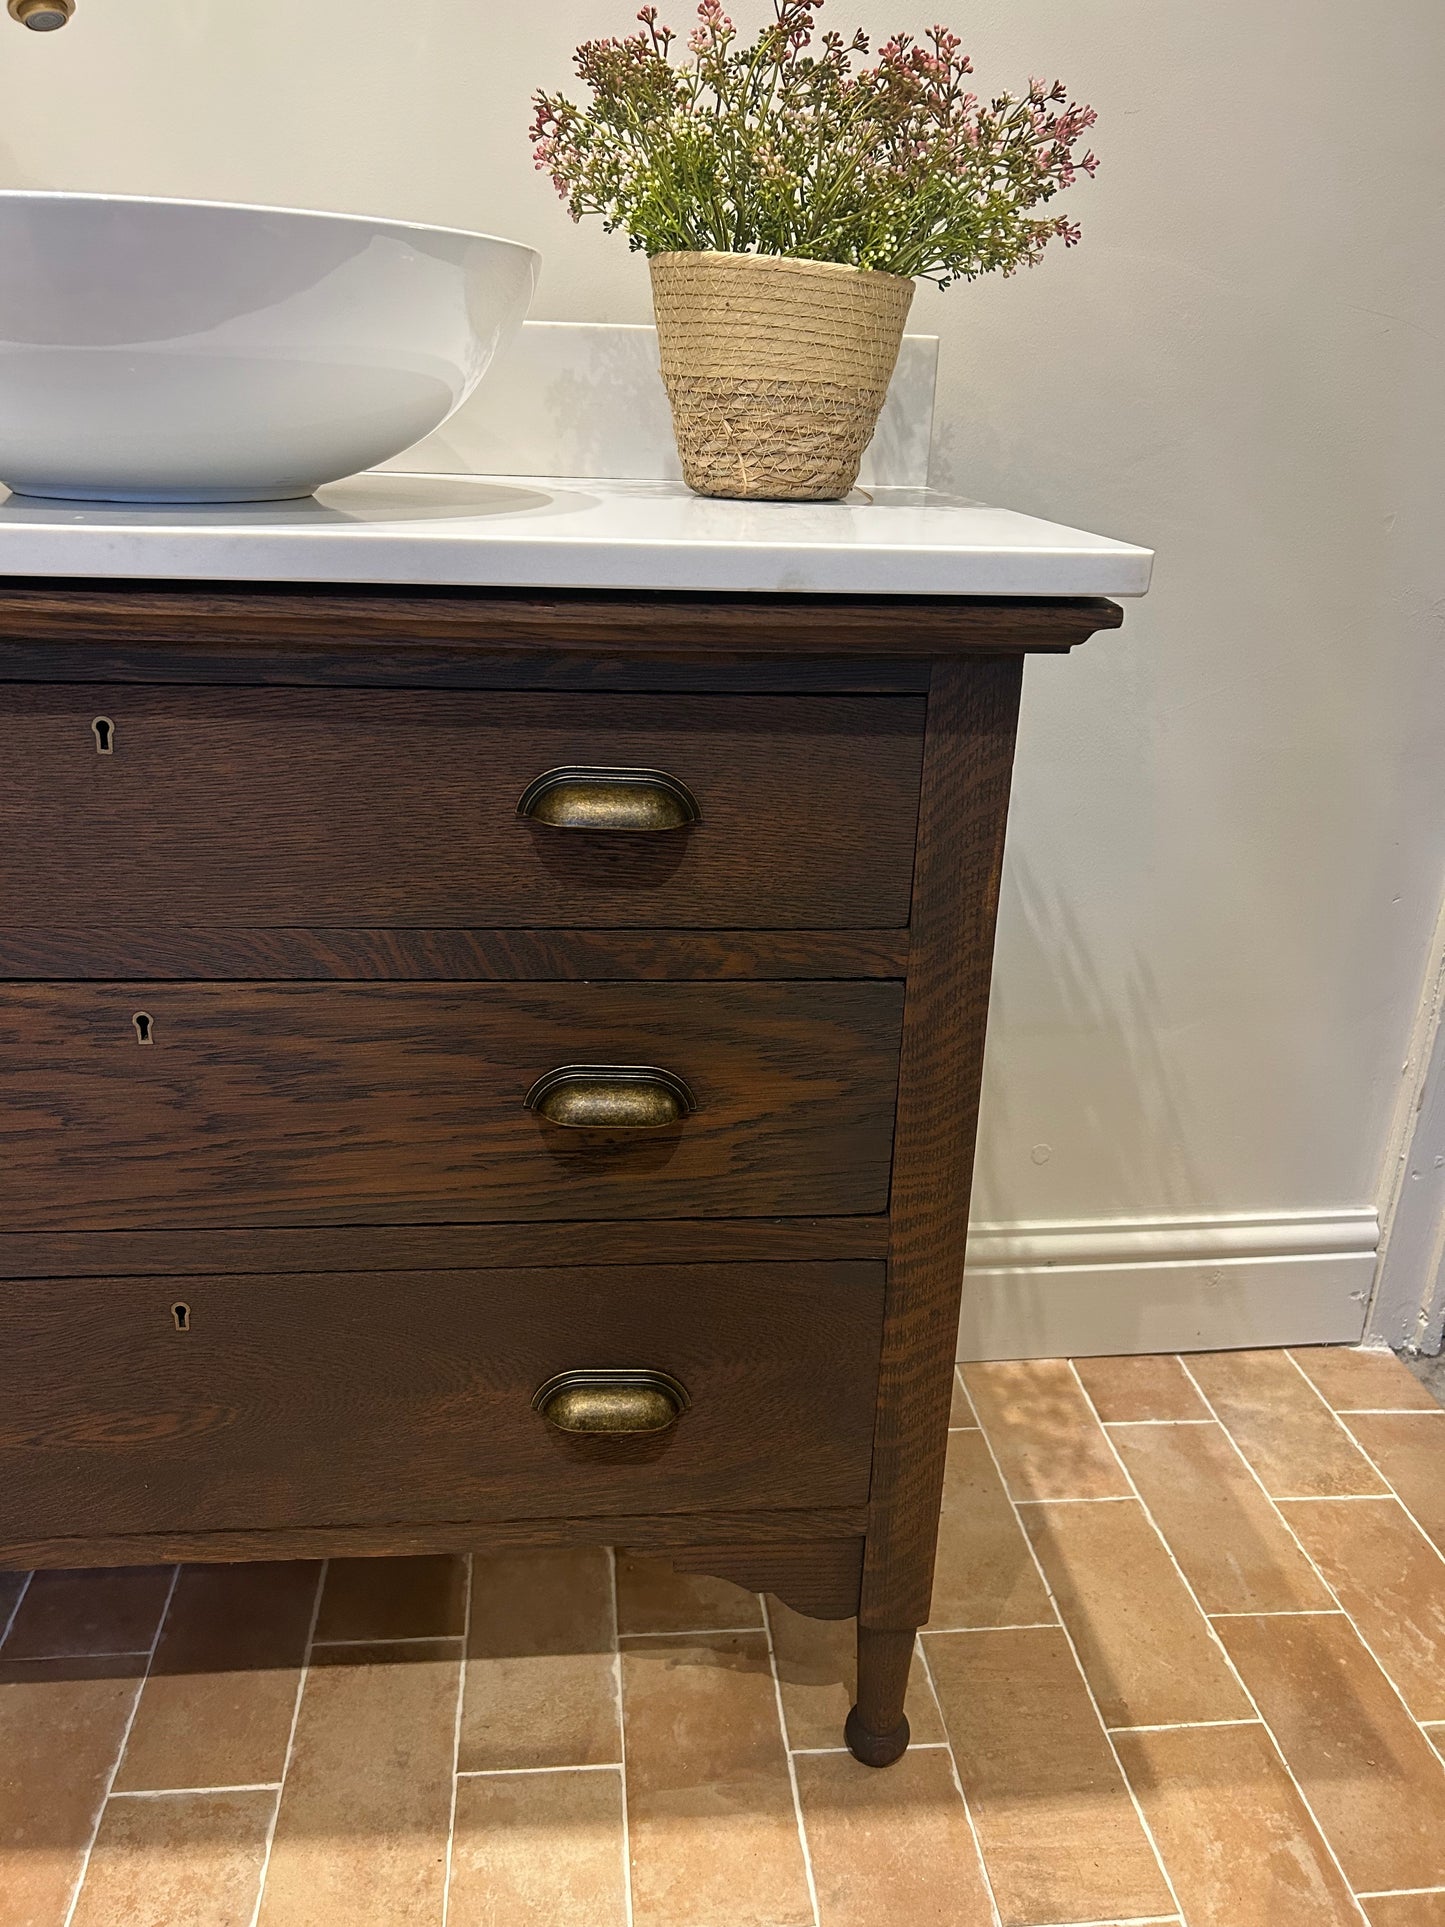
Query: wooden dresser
[479, 1069]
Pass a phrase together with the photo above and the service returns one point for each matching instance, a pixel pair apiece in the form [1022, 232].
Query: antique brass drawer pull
[611, 1401]
[574, 798]
[610, 1097]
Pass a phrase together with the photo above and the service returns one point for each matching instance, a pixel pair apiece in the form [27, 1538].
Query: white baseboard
[1167, 1284]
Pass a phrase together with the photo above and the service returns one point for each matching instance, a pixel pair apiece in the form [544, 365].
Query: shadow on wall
[1071, 1004]
[1074, 1011]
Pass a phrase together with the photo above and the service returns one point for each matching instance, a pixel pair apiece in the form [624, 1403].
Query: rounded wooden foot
[876, 1749]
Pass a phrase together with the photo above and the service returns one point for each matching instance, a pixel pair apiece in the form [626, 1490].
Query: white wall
[1229, 832]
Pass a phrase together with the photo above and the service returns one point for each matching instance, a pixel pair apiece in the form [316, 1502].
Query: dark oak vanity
[485, 1069]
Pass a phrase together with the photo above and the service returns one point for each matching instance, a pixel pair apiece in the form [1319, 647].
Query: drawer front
[288, 807]
[162, 1106]
[407, 1396]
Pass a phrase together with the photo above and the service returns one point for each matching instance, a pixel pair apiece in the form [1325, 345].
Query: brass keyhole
[103, 730]
[144, 1028]
[182, 1316]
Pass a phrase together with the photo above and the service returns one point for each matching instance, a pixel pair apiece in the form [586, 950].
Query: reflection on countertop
[543, 532]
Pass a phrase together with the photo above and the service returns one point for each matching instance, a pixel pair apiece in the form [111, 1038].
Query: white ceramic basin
[193, 351]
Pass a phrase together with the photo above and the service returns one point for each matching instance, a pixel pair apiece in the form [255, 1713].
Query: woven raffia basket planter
[776, 369]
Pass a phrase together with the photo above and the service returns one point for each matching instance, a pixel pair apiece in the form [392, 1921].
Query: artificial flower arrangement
[788, 196]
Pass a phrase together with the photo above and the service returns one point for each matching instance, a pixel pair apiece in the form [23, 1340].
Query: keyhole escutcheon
[182, 1316]
[144, 1028]
[103, 730]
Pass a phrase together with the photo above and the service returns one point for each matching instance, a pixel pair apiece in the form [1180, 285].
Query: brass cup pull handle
[611, 1401]
[611, 1097]
[575, 798]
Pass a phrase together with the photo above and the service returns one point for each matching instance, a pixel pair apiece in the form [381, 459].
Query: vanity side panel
[967, 766]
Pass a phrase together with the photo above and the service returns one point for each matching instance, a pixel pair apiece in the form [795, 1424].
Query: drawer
[165, 1106]
[407, 1396]
[289, 807]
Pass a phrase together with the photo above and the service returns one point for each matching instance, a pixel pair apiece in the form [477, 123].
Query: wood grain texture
[342, 664]
[968, 762]
[877, 1730]
[451, 1247]
[663, 1533]
[820, 1578]
[398, 809]
[587, 623]
[309, 812]
[294, 1104]
[170, 951]
[374, 1398]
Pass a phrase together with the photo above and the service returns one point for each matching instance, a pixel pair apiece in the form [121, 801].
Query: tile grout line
[14, 1612]
[974, 1423]
[533, 1772]
[1273, 1505]
[411, 1639]
[290, 1738]
[1335, 1498]
[1068, 1637]
[1023, 1626]
[1378, 1497]
[1234, 1671]
[124, 1743]
[995, 1916]
[626, 1841]
[1118, 1424]
[1288, 1612]
[184, 1792]
[457, 1733]
[1185, 1726]
[1389, 1484]
[1375, 1411]
[694, 1632]
[46, 1659]
[914, 1746]
[1105, 1498]
[788, 1756]
[1238, 1677]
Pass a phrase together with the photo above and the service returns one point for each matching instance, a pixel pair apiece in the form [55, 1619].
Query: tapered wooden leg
[877, 1729]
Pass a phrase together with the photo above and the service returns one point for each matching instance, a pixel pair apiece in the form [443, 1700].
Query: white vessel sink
[194, 351]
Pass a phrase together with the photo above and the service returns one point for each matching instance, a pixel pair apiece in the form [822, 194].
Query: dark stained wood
[322, 1153]
[877, 1727]
[669, 1533]
[595, 624]
[369, 1398]
[165, 950]
[398, 808]
[452, 1247]
[297, 1104]
[820, 1579]
[968, 761]
[367, 666]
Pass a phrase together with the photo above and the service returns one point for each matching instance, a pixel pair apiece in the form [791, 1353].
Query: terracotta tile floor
[1187, 1665]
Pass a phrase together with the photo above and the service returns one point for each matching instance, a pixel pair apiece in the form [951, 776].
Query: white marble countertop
[536, 532]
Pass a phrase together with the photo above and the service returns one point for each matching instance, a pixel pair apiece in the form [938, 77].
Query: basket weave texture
[776, 369]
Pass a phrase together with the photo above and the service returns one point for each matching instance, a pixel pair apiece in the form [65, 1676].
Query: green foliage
[790, 146]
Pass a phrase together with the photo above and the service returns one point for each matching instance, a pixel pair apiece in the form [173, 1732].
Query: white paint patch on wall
[1229, 819]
